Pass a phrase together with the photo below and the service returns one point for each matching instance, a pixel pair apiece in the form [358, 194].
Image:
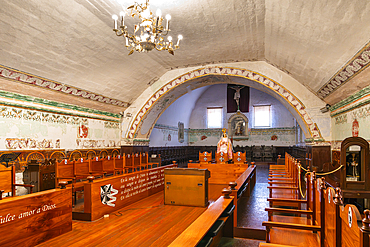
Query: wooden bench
[106, 195]
[338, 225]
[209, 227]
[34, 218]
[7, 181]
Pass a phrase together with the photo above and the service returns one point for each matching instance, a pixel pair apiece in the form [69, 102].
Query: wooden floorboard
[145, 223]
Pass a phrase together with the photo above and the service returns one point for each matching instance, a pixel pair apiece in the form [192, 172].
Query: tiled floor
[238, 242]
[253, 212]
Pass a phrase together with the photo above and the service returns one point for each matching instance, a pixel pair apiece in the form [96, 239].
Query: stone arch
[261, 82]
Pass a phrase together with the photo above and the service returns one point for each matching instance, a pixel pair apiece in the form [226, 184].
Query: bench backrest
[129, 161]
[96, 165]
[7, 179]
[108, 164]
[64, 170]
[82, 167]
[239, 158]
[205, 157]
[144, 158]
[137, 159]
[119, 162]
[221, 158]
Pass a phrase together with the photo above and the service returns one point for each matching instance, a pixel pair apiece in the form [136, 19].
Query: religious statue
[237, 94]
[224, 145]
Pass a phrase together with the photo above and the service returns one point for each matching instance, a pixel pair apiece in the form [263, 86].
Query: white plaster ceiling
[72, 41]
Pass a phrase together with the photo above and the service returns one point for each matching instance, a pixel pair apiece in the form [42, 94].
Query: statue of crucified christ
[237, 94]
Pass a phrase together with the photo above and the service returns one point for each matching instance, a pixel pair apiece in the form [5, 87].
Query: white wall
[215, 96]
[167, 124]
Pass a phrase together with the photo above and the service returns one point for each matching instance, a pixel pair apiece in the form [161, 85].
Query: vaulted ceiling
[321, 44]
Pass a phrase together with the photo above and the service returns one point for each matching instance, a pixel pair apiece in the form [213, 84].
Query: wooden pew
[104, 196]
[34, 218]
[208, 228]
[7, 181]
[339, 225]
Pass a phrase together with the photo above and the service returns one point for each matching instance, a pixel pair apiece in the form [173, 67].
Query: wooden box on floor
[186, 187]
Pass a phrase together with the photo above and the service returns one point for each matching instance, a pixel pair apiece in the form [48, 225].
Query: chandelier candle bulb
[149, 33]
[122, 14]
[115, 17]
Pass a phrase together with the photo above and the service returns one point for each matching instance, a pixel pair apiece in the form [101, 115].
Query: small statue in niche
[354, 165]
[239, 128]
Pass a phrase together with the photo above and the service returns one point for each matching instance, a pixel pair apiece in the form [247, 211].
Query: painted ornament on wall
[83, 131]
[169, 137]
[274, 138]
[355, 128]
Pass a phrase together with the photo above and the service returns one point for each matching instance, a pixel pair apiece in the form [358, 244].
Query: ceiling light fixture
[151, 30]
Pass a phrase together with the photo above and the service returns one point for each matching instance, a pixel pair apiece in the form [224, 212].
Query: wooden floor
[149, 222]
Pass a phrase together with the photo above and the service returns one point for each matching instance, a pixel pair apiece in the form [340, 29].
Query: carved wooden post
[90, 178]
[313, 186]
[63, 184]
[322, 210]
[338, 201]
[365, 230]
[232, 185]
[226, 193]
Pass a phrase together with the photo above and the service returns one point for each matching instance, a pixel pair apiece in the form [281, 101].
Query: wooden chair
[239, 158]
[7, 181]
[119, 164]
[129, 164]
[205, 157]
[108, 166]
[155, 160]
[221, 158]
[145, 161]
[65, 171]
[137, 162]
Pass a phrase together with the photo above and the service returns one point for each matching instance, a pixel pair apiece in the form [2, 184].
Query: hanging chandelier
[149, 33]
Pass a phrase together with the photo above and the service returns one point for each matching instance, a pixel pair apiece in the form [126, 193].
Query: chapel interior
[185, 123]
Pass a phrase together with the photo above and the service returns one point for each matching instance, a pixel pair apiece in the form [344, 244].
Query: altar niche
[354, 157]
[238, 127]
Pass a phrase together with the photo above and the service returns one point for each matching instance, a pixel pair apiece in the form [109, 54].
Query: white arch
[260, 81]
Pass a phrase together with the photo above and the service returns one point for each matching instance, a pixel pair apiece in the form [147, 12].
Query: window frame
[221, 117]
[269, 117]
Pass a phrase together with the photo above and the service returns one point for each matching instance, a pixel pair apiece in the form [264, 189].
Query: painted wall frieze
[19, 76]
[358, 63]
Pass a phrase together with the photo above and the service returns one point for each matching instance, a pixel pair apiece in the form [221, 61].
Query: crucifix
[237, 94]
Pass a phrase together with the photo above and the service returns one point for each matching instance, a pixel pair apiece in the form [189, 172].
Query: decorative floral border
[251, 75]
[358, 63]
[39, 116]
[19, 76]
